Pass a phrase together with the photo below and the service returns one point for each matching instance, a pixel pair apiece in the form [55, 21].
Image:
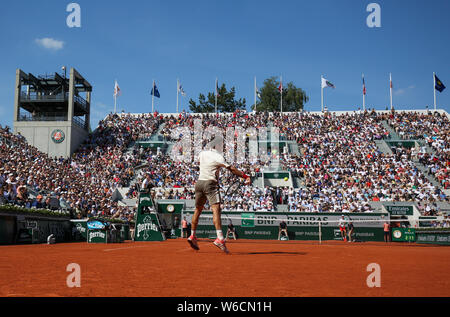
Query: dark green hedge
[13, 209]
[17, 210]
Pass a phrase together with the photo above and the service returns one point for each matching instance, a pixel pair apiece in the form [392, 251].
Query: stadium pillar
[71, 95]
[18, 89]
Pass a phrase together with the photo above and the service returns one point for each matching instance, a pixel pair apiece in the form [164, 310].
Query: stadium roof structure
[52, 111]
[50, 93]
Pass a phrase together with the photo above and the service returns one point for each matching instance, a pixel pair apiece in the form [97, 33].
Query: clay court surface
[253, 269]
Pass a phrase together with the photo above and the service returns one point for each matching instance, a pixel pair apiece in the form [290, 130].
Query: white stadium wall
[40, 135]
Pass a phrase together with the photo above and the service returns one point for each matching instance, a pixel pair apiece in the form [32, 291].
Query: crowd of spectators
[338, 161]
[340, 164]
[433, 129]
[84, 183]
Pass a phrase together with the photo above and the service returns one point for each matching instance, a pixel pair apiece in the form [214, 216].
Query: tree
[294, 98]
[226, 102]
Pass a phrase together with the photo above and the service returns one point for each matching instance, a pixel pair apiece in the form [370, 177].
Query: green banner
[428, 223]
[433, 237]
[248, 220]
[170, 207]
[276, 175]
[401, 143]
[97, 236]
[403, 235]
[301, 226]
[79, 230]
[148, 227]
[400, 210]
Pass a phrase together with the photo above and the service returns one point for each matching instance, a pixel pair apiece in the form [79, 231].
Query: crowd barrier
[34, 228]
[27, 229]
[31, 228]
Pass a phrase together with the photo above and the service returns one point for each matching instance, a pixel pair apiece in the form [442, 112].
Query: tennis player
[207, 187]
[342, 228]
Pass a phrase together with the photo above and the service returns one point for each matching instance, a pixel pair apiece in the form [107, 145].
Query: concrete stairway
[444, 206]
[391, 131]
[383, 146]
[293, 148]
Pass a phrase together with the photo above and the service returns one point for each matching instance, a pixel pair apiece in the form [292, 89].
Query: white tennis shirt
[210, 163]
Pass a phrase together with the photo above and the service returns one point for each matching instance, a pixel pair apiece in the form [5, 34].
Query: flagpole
[281, 83]
[364, 102]
[390, 87]
[153, 95]
[364, 95]
[321, 90]
[434, 89]
[215, 89]
[178, 88]
[254, 109]
[115, 96]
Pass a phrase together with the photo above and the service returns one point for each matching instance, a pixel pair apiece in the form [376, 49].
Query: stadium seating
[348, 162]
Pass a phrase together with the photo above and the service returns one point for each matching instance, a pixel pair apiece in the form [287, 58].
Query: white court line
[138, 246]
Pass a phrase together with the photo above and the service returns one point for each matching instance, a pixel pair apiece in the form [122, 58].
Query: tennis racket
[233, 187]
[236, 183]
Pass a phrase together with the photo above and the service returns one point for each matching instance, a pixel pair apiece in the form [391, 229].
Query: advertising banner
[97, 236]
[148, 227]
[403, 235]
[301, 226]
[400, 210]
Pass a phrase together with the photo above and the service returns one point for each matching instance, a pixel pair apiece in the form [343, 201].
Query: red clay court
[254, 268]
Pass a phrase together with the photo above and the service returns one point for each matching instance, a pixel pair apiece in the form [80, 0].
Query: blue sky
[233, 40]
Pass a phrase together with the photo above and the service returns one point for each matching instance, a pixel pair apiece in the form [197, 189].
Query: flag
[180, 90]
[390, 81]
[326, 83]
[116, 89]
[280, 88]
[155, 91]
[364, 86]
[258, 93]
[439, 85]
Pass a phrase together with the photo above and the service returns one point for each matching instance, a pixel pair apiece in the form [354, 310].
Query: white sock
[193, 233]
[219, 234]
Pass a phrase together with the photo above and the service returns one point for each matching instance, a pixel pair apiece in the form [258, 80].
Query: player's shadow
[270, 253]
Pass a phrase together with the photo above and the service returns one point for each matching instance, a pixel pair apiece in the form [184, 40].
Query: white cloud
[402, 91]
[50, 44]
[399, 92]
[101, 105]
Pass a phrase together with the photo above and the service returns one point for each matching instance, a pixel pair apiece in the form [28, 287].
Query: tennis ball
[286, 179]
